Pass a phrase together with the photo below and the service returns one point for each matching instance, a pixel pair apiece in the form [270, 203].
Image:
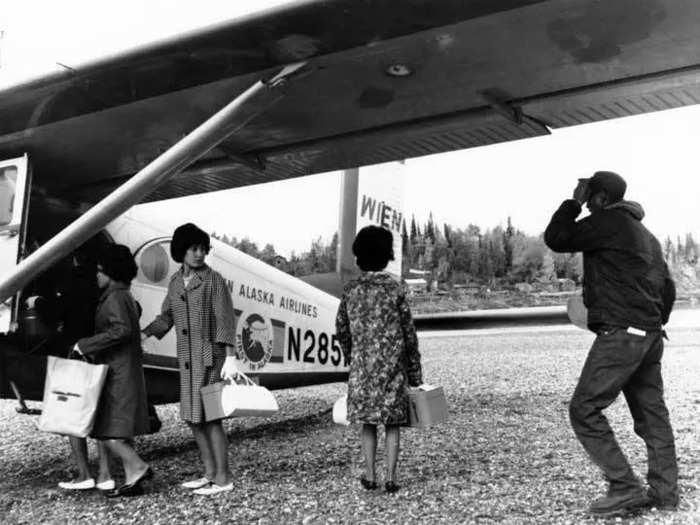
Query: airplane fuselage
[285, 328]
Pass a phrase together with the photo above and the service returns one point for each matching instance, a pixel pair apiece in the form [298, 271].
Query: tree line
[319, 258]
[451, 255]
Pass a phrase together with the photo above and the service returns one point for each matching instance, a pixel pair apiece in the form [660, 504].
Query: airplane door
[14, 194]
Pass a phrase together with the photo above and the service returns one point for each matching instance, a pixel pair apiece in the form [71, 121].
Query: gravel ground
[506, 456]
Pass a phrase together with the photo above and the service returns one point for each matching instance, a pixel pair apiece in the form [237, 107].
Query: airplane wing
[384, 80]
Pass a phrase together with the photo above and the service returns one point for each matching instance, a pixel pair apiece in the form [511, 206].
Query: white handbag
[229, 399]
[340, 411]
[71, 394]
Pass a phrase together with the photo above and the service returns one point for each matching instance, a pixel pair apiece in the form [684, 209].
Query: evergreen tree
[508, 246]
[249, 247]
[691, 249]
[332, 252]
[475, 262]
[430, 229]
[404, 239]
[669, 252]
[446, 230]
[547, 272]
[268, 253]
[414, 230]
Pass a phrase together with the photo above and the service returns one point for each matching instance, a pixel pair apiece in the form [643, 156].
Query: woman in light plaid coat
[199, 305]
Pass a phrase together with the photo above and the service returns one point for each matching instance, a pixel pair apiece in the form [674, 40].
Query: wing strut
[256, 99]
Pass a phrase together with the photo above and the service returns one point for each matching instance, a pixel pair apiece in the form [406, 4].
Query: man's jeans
[620, 361]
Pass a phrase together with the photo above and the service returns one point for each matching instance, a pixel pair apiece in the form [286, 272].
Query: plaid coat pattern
[375, 330]
[203, 316]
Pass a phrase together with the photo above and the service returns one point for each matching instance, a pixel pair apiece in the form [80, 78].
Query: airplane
[312, 87]
[285, 326]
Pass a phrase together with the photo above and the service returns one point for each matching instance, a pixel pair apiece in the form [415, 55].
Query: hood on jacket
[633, 208]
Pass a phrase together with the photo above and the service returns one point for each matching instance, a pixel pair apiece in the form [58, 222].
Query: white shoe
[86, 484]
[196, 483]
[214, 489]
[107, 484]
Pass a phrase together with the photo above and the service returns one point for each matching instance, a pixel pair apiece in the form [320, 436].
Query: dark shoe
[619, 503]
[146, 475]
[391, 487]
[134, 488]
[369, 485]
[125, 491]
[659, 504]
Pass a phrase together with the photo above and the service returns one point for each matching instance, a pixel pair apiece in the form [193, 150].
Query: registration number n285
[312, 347]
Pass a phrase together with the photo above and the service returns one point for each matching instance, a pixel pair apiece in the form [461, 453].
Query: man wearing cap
[629, 295]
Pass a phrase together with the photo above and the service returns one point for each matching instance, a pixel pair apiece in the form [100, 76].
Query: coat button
[184, 331]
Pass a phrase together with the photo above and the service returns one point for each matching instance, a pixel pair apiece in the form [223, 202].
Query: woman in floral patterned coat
[375, 329]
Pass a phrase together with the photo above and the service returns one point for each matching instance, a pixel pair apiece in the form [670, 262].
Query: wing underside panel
[424, 79]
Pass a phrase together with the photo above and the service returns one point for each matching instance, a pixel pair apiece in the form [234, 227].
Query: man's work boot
[653, 501]
[619, 502]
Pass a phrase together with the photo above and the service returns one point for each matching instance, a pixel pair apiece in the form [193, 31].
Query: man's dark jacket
[625, 279]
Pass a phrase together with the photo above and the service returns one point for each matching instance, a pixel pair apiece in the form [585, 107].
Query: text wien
[381, 213]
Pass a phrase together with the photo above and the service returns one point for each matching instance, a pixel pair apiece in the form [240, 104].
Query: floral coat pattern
[375, 329]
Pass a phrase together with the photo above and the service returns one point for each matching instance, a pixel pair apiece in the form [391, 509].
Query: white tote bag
[71, 393]
[340, 411]
[248, 399]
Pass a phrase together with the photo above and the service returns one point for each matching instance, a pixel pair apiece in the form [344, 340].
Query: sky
[525, 180]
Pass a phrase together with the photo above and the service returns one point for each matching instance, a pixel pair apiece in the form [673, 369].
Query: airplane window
[155, 263]
[8, 182]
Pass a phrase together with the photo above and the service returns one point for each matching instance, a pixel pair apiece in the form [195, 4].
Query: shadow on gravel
[40, 466]
[286, 427]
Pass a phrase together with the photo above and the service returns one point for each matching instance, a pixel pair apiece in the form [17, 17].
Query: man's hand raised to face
[582, 191]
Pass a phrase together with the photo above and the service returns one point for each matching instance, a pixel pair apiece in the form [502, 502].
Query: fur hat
[117, 263]
[186, 236]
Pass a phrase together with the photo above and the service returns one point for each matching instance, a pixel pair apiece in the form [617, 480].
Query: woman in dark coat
[122, 412]
[199, 305]
[375, 329]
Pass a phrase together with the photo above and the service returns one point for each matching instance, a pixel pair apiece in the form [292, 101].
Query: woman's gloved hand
[230, 369]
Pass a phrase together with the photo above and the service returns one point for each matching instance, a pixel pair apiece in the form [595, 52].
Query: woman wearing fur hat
[199, 305]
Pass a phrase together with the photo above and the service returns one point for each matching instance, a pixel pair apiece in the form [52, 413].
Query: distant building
[566, 285]
[524, 287]
[279, 262]
[418, 285]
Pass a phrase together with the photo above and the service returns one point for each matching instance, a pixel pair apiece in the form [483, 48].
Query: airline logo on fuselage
[254, 341]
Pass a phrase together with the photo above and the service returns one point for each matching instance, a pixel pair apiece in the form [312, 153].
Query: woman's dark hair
[373, 248]
[186, 236]
[117, 263]
[86, 253]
